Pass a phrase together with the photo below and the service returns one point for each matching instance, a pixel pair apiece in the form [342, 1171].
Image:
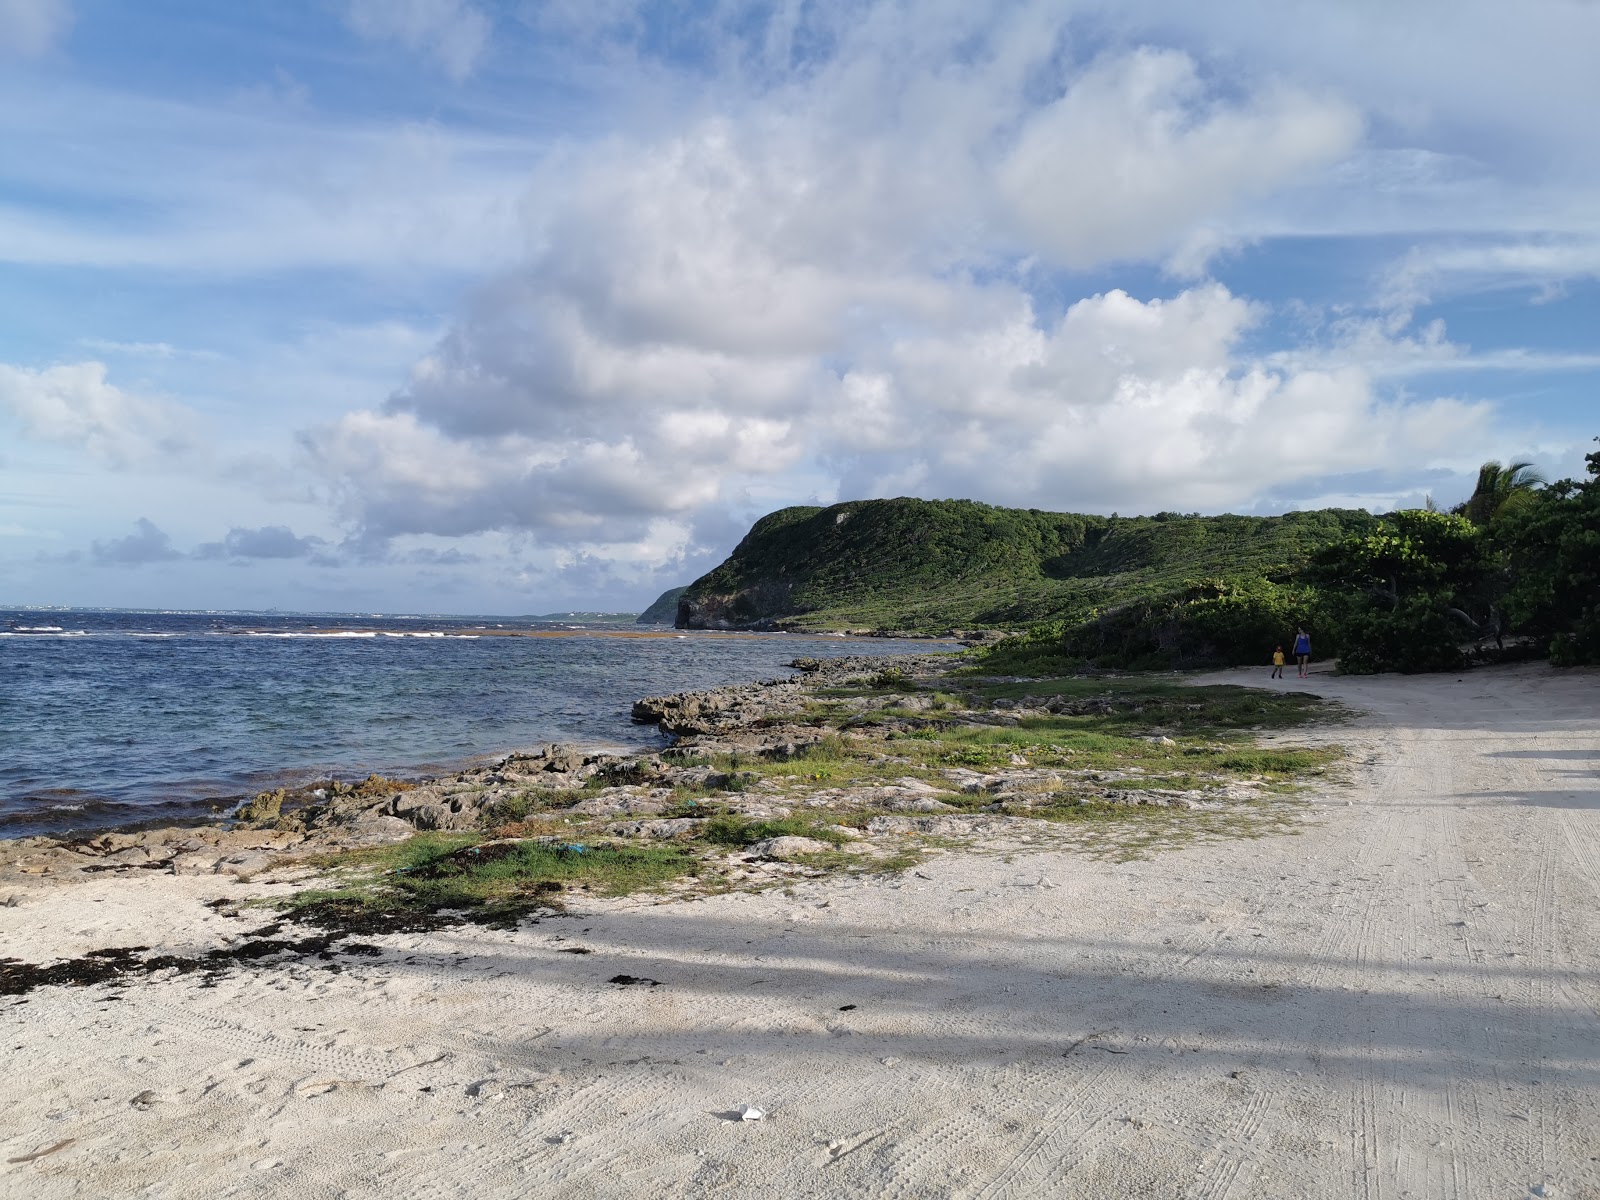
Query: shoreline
[310, 793]
[729, 753]
[207, 800]
[1362, 991]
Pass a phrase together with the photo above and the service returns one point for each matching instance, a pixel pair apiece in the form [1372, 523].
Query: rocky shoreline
[281, 827]
[730, 745]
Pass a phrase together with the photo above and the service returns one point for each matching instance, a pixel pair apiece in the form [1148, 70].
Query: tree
[1553, 548]
[1501, 489]
[1404, 595]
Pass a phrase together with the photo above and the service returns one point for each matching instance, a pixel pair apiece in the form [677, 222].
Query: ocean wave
[339, 633]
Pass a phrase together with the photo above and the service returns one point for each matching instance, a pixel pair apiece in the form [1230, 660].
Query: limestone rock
[788, 847]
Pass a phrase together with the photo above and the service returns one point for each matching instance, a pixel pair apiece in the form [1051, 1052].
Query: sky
[520, 306]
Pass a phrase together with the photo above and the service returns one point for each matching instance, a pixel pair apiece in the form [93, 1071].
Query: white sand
[1400, 1000]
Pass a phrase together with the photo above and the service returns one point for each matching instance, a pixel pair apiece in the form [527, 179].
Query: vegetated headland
[1513, 571]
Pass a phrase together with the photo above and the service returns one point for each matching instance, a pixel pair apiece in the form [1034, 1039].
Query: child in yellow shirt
[1277, 663]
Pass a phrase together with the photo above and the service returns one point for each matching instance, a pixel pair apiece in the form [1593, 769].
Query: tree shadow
[856, 993]
[1590, 754]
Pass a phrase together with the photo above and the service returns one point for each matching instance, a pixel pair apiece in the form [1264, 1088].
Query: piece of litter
[751, 1113]
[890, 1061]
[1543, 1189]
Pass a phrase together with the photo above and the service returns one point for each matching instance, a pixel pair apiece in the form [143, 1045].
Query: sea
[110, 718]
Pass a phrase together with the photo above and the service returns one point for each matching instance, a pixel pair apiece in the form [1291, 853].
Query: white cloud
[831, 294]
[1122, 403]
[1543, 265]
[828, 263]
[1135, 405]
[453, 33]
[1137, 150]
[1387, 347]
[160, 351]
[74, 405]
[31, 27]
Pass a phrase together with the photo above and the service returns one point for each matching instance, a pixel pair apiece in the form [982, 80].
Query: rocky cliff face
[758, 606]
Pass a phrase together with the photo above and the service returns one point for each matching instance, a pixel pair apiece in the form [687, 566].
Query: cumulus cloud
[846, 289]
[1126, 404]
[849, 271]
[1119, 403]
[269, 541]
[74, 404]
[453, 33]
[1137, 150]
[30, 27]
[147, 544]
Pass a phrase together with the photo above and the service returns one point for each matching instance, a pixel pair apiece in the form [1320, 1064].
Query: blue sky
[451, 305]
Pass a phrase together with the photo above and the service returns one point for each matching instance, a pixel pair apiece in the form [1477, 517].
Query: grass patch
[730, 829]
[1124, 832]
[487, 882]
[526, 804]
[1144, 701]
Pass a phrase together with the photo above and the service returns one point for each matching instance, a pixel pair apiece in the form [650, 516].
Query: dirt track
[1399, 1000]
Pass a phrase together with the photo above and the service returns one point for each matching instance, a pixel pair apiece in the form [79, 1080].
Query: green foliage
[1220, 622]
[931, 566]
[664, 611]
[1402, 592]
[1501, 489]
[1134, 704]
[524, 804]
[730, 829]
[1404, 596]
[1552, 546]
[490, 882]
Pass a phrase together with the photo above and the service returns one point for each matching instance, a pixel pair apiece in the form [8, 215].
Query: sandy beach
[1399, 998]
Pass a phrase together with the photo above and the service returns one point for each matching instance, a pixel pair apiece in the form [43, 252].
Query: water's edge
[117, 721]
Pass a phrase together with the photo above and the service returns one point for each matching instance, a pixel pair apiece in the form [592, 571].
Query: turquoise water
[107, 718]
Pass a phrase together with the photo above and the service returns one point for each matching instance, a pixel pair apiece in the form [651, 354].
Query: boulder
[427, 809]
[376, 828]
[788, 847]
[669, 827]
[201, 864]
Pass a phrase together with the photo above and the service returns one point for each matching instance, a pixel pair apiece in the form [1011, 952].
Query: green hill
[935, 565]
[665, 609]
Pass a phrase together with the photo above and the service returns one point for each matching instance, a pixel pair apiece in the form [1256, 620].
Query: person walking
[1277, 664]
[1302, 652]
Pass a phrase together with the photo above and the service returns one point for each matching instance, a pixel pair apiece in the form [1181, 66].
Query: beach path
[1399, 999]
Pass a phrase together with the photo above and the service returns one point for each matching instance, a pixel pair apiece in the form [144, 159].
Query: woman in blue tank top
[1302, 652]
